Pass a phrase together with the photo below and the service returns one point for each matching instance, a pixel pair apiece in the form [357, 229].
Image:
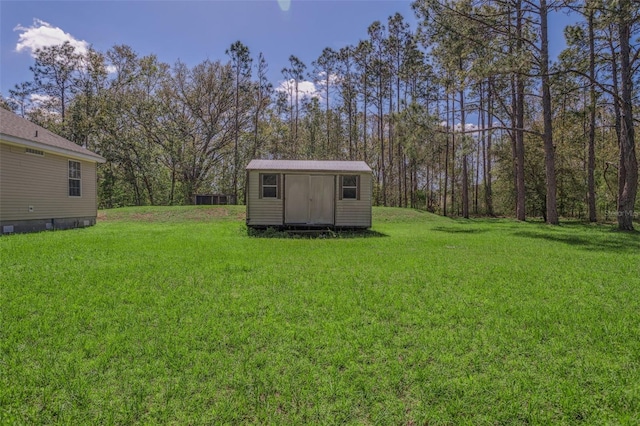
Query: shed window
[74, 178]
[349, 187]
[269, 185]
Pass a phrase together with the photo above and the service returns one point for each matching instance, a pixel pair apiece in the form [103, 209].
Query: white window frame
[263, 186]
[75, 175]
[353, 187]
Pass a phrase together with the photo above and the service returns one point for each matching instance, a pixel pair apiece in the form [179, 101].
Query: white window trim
[263, 186]
[69, 178]
[343, 187]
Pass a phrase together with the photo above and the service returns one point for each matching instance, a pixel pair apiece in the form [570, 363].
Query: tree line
[467, 114]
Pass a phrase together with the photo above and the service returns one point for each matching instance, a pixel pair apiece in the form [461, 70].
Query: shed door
[309, 199]
[296, 195]
[321, 200]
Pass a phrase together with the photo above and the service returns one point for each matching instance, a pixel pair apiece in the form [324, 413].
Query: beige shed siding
[42, 182]
[265, 212]
[355, 212]
[262, 212]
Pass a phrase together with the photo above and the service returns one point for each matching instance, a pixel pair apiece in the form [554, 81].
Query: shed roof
[310, 165]
[15, 129]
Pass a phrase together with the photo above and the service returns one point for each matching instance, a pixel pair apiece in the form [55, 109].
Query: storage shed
[293, 193]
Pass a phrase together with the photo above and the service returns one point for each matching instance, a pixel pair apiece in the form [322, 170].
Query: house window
[269, 185]
[74, 178]
[349, 187]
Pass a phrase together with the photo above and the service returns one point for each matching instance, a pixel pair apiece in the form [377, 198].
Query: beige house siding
[260, 211]
[356, 212]
[42, 183]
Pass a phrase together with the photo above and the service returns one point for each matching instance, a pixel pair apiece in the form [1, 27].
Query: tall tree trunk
[149, 187]
[414, 184]
[327, 111]
[617, 116]
[354, 129]
[519, 130]
[446, 160]
[291, 113]
[453, 156]
[591, 156]
[390, 143]
[483, 138]
[487, 168]
[405, 177]
[402, 170]
[236, 135]
[381, 138]
[295, 132]
[519, 150]
[173, 184]
[549, 150]
[465, 161]
[517, 116]
[628, 193]
[476, 188]
[364, 126]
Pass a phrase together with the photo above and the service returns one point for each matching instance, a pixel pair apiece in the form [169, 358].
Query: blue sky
[193, 31]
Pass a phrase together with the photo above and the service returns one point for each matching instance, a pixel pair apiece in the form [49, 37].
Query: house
[292, 193]
[46, 181]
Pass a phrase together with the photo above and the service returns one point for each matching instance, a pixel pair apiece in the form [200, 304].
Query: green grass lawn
[176, 315]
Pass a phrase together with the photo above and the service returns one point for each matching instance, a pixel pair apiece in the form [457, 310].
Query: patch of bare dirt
[143, 217]
[206, 214]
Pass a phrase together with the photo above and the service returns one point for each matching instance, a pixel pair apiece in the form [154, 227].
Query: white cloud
[333, 78]
[306, 89]
[44, 105]
[284, 5]
[42, 34]
[468, 127]
[38, 100]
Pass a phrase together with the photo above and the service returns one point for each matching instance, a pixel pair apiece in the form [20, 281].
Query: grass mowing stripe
[176, 315]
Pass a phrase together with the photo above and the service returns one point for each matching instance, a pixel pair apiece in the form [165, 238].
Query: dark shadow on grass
[459, 230]
[313, 233]
[610, 241]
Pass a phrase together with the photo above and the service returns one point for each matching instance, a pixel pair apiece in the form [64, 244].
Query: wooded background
[465, 115]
